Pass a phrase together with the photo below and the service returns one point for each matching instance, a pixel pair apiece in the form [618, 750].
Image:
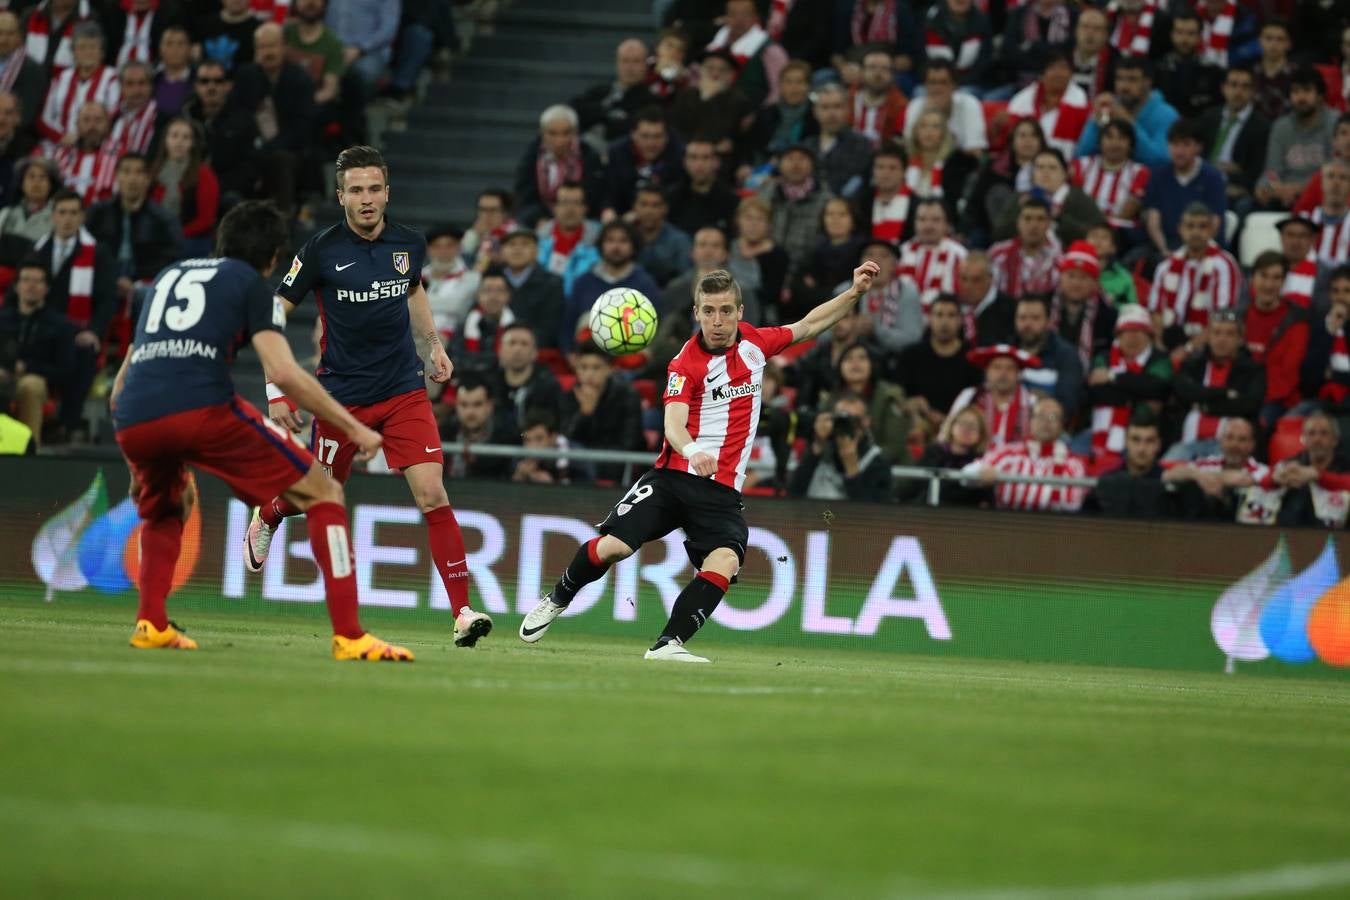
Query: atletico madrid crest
[401, 263]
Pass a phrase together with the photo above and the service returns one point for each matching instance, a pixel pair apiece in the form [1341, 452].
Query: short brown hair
[718, 281]
[1270, 258]
[360, 157]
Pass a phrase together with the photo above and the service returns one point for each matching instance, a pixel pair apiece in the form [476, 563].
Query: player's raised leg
[591, 562]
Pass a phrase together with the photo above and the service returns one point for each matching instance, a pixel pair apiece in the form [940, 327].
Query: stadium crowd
[1112, 239]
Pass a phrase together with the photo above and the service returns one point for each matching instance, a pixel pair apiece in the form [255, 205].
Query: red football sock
[280, 508]
[160, 542]
[332, 551]
[447, 551]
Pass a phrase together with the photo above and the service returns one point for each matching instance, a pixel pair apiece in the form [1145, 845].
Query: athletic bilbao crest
[401, 263]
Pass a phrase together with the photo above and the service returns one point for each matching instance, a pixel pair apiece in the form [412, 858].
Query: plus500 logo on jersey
[379, 290]
[730, 392]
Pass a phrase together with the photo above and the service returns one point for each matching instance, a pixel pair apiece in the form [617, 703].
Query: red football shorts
[405, 421]
[232, 441]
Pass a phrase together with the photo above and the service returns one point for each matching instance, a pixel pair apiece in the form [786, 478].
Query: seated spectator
[601, 412]
[1235, 135]
[832, 260]
[962, 441]
[1134, 101]
[617, 267]
[1029, 262]
[280, 97]
[1134, 488]
[89, 166]
[937, 167]
[1276, 337]
[962, 115]
[1176, 186]
[1300, 141]
[536, 293]
[889, 421]
[226, 36]
[555, 157]
[137, 123]
[774, 436]
[474, 347]
[185, 186]
[842, 461]
[701, 198]
[567, 241]
[1229, 35]
[1273, 74]
[492, 220]
[815, 369]
[1000, 180]
[1219, 383]
[986, 312]
[135, 28]
[843, 156]
[931, 259]
[797, 200]
[1326, 365]
[665, 248]
[1188, 82]
[788, 122]
[30, 215]
[1002, 398]
[1044, 454]
[934, 371]
[1191, 284]
[539, 431]
[1058, 372]
[1139, 28]
[1333, 245]
[1072, 211]
[1093, 59]
[450, 285]
[367, 29]
[48, 29]
[1306, 500]
[87, 81]
[15, 145]
[16, 438]
[670, 71]
[606, 109]
[676, 324]
[1213, 486]
[173, 79]
[1298, 244]
[958, 32]
[37, 347]
[231, 133]
[877, 106]
[24, 78]
[1054, 101]
[878, 23]
[892, 314]
[1112, 180]
[311, 43]
[1034, 33]
[1116, 281]
[153, 239]
[645, 156]
[1079, 312]
[1130, 380]
[520, 385]
[715, 108]
[762, 60]
[884, 214]
[475, 420]
[1320, 30]
[759, 265]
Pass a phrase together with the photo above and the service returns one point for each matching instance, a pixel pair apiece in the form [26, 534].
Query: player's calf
[591, 562]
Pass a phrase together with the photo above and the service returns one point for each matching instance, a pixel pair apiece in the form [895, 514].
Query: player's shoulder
[395, 232]
[324, 238]
[764, 337]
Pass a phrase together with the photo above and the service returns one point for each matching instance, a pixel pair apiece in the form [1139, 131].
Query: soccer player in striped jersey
[712, 406]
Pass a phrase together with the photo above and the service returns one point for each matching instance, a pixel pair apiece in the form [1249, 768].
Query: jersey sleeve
[302, 276]
[419, 256]
[263, 308]
[772, 341]
[679, 385]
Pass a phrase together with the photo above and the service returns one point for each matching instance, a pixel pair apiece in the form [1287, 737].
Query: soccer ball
[623, 321]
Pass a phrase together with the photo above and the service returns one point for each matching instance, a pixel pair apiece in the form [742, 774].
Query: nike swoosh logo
[347, 266]
[711, 378]
[432, 449]
[529, 631]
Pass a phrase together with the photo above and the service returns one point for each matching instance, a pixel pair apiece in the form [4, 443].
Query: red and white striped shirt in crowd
[1132, 38]
[1197, 425]
[1062, 123]
[1217, 31]
[89, 173]
[723, 393]
[1187, 290]
[37, 41]
[964, 57]
[1008, 422]
[932, 268]
[472, 329]
[68, 92]
[1043, 459]
[137, 38]
[889, 216]
[1112, 189]
[133, 131]
[1016, 273]
[1333, 246]
[1300, 281]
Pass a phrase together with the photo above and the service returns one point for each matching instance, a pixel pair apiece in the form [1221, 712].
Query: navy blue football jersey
[196, 315]
[361, 287]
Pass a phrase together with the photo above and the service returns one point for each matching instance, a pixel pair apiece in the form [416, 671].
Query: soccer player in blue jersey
[366, 276]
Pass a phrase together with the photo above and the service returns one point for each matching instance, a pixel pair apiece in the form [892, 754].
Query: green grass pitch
[257, 767]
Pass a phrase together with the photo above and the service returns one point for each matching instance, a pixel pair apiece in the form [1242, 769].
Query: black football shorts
[711, 514]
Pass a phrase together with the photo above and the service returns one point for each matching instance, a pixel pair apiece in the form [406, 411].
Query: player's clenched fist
[703, 464]
[863, 275]
[440, 364]
[367, 442]
[285, 415]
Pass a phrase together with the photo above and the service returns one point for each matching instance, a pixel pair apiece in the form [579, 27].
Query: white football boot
[257, 542]
[471, 625]
[673, 651]
[536, 622]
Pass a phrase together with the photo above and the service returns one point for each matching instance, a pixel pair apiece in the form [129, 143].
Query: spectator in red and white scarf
[1130, 378]
[1079, 311]
[134, 31]
[1333, 244]
[138, 116]
[1044, 454]
[1035, 32]
[1060, 106]
[1192, 283]
[87, 81]
[1230, 33]
[557, 155]
[891, 309]
[958, 32]
[1276, 333]
[20, 75]
[89, 166]
[937, 167]
[1093, 57]
[1326, 365]
[47, 32]
[884, 212]
[1219, 383]
[669, 71]
[931, 259]
[1133, 23]
[1112, 179]
[474, 346]
[876, 108]
[1212, 485]
[1004, 400]
[183, 183]
[1298, 243]
[1028, 263]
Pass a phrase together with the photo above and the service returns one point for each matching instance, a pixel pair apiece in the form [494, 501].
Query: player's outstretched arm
[305, 390]
[426, 335]
[677, 434]
[823, 317]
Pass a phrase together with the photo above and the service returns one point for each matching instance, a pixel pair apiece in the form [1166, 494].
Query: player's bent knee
[315, 487]
[723, 561]
[611, 549]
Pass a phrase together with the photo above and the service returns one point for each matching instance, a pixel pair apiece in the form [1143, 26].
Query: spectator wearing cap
[605, 110]
[714, 108]
[450, 284]
[962, 111]
[646, 156]
[1043, 454]
[1300, 141]
[1079, 311]
[1276, 330]
[986, 312]
[617, 267]
[555, 157]
[1029, 262]
[567, 241]
[759, 59]
[1054, 101]
[1212, 486]
[1129, 379]
[1192, 283]
[1060, 372]
[1134, 101]
[958, 33]
[1187, 179]
[877, 106]
[1217, 384]
[1002, 397]
[1133, 488]
[931, 259]
[798, 201]
[1333, 245]
[843, 155]
[759, 265]
[1235, 134]
[934, 371]
[1298, 244]
[665, 248]
[536, 293]
[892, 312]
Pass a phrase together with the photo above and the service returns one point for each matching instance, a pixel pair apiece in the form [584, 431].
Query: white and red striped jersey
[722, 389]
[932, 268]
[1038, 459]
[133, 131]
[1187, 290]
[1333, 247]
[1258, 470]
[1016, 274]
[89, 173]
[1112, 189]
[67, 93]
[1300, 281]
